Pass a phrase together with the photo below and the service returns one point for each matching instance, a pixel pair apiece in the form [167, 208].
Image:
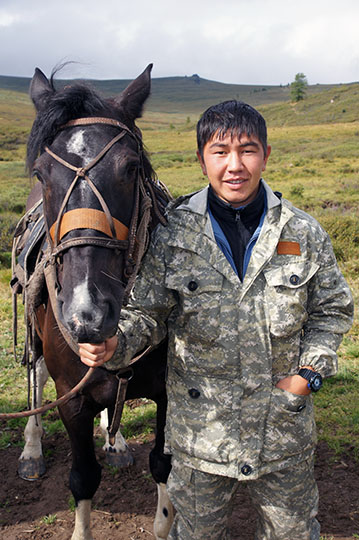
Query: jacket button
[294, 279]
[246, 470]
[192, 285]
[194, 393]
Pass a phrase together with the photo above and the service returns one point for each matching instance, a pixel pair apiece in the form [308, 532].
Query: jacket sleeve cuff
[121, 357]
[136, 331]
[318, 350]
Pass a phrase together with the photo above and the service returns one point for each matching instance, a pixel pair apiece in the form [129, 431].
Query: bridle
[132, 240]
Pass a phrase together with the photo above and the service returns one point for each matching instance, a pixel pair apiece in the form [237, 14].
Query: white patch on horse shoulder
[77, 145]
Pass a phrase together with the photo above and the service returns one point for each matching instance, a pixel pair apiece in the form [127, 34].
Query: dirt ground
[124, 505]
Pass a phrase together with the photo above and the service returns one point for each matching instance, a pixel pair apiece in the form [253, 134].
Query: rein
[121, 392]
[61, 401]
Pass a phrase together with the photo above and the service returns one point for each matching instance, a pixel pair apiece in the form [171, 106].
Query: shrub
[297, 191]
[7, 226]
[5, 259]
[344, 233]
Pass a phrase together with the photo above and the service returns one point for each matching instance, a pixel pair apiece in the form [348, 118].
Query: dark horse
[100, 201]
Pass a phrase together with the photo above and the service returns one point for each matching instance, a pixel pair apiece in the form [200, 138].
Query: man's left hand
[294, 384]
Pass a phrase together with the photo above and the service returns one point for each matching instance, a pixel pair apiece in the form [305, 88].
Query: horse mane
[78, 100]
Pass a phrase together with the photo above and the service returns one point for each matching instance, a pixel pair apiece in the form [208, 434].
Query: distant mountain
[19, 84]
[183, 94]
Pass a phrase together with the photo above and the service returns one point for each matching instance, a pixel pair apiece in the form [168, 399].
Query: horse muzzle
[90, 322]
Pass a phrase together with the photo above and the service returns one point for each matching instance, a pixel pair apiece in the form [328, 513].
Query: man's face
[234, 167]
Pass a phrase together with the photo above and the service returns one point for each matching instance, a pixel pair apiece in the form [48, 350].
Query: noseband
[132, 240]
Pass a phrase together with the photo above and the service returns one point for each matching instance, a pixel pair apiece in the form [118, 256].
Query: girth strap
[123, 376]
[118, 409]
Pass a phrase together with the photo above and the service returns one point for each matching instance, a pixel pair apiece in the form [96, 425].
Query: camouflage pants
[286, 503]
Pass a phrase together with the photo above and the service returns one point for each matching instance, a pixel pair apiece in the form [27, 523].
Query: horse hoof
[120, 460]
[31, 469]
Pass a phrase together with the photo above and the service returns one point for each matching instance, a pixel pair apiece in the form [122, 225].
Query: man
[248, 290]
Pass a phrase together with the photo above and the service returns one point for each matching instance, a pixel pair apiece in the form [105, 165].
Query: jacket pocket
[286, 295]
[199, 299]
[199, 416]
[290, 426]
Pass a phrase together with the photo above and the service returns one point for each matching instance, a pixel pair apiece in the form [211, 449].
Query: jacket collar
[197, 203]
[204, 244]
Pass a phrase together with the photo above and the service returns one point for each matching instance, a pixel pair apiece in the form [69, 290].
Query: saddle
[29, 239]
[28, 278]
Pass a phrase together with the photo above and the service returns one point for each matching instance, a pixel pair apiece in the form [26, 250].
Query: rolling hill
[192, 95]
[179, 94]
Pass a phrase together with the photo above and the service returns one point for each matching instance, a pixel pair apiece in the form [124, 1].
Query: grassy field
[315, 165]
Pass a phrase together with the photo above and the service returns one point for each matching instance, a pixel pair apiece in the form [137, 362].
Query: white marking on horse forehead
[77, 145]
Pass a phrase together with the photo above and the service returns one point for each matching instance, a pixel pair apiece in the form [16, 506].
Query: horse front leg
[85, 475]
[117, 455]
[164, 513]
[31, 462]
[82, 530]
[160, 466]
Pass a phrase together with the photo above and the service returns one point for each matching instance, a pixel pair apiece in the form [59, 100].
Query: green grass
[325, 537]
[139, 422]
[50, 519]
[337, 407]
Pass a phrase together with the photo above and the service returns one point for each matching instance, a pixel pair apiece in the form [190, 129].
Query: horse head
[88, 155]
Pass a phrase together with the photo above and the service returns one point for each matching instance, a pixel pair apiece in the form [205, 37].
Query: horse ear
[132, 99]
[40, 88]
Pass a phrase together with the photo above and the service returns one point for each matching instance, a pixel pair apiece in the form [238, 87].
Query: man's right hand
[95, 355]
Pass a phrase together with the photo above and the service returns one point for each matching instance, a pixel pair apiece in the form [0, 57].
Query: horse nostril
[87, 316]
[84, 317]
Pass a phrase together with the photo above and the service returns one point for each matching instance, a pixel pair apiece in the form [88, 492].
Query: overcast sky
[232, 41]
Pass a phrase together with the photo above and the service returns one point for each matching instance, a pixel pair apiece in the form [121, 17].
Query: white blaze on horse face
[77, 145]
[81, 294]
[81, 301]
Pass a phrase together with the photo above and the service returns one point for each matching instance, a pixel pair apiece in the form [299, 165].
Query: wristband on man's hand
[315, 380]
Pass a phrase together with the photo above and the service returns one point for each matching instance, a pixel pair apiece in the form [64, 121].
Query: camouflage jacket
[230, 342]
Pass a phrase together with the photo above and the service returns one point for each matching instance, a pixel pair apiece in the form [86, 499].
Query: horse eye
[36, 174]
[132, 168]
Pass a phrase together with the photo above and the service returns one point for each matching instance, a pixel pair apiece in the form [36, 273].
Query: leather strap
[88, 218]
[117, 413]
[97, 120]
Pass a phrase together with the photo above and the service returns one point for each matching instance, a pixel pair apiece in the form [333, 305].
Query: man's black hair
[231, 116]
